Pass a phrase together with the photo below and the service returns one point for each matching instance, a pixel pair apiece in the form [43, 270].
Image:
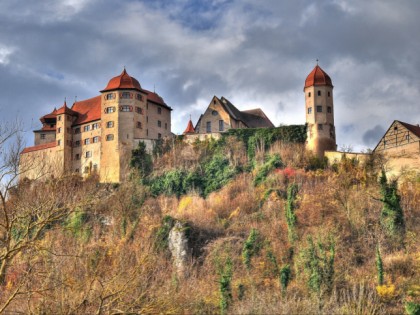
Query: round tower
[319, 108]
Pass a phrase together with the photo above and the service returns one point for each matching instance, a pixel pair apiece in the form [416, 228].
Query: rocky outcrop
[178, 245]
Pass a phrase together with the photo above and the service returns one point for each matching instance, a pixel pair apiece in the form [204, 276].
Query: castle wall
[45, 163]
[156, 113]
[48, 136]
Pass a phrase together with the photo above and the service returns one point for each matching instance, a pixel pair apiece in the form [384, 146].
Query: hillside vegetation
[271, 229]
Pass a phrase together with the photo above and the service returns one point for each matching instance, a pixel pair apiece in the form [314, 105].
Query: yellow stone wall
[43, 164]
[220, 114]
[153, 117]
[49, 137]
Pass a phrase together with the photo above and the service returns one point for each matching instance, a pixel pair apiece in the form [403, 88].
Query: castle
[97, 135]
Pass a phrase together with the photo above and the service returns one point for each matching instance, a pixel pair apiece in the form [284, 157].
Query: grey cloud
[372, 136]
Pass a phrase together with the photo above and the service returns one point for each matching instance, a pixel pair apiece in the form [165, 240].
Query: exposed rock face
[178, 245]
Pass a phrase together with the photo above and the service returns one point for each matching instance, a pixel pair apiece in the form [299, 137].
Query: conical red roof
[190, 128]
[65, 110]
[123, 81]
[318, 77]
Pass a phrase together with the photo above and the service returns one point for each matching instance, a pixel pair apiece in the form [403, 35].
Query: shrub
[141, 160]
[292, 191]
[251, 247]
[412, 308]
[225, 288]
[273, 161]
[379, 266]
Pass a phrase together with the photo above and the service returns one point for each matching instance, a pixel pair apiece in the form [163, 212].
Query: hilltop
[267, 228]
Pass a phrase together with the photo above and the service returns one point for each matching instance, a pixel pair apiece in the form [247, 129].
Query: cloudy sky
[255, 53]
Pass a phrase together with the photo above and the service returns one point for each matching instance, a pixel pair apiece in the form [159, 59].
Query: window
[42, 136]
[329, 109]
[86, 169]
[159, 110]
[208, 126]
[95, 126]
[86, 128]
[52, 125]
[147, 132]
[109, 137]
[159, 123]
[147, 118]
[407, 137]
[110, 124]
[139, 97]
[77, 143]
[59, 118]
[88, 154]
[95, 139]
[320, 127]
[214, 112]
[309, 94]
[77, 130]
[166, 125]
[159, 136]
[139, 125]
[59, 130]
[396, 128]
[139, 110]
[125, 95]
[59, 142]
[221, 125]
[95, 167]
[110, 96]
[319, 93]
[319, 109]
[125, 108]
[77, 157]
[329, 94]
[87, 141]
[68, 118]
[309, 110]
[76, 170]
[109, 110]
[214, 101]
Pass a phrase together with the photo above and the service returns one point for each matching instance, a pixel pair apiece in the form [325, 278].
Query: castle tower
[319, 106]
[123, 104]
[64, 137]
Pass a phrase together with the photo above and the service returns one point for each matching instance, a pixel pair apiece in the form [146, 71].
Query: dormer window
[309, 94]
[110, 96]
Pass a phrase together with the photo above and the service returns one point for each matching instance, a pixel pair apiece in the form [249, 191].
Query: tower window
[309, 94]
[320, 127]
[139, 110]
[139, 125]
[309, 110]
[166, 125]
[95, 139]
[109, 137]
[329, 94]
[159, 123]
[77, 157]
[159, 135]
[86, 169]
[42, 136]
[125, 95]
[59, 142]
[159, 110]
[77, 143]
[59, 118]
[110, 96]
[139, 97]
[109, 109]
[87, 141]
[86, 128]
[110, 124]
[125, 108]
[319, 93]
[59, 130]
[95, 126]
[329, 109]
[88, 154]
[77, 130]
[319, 109]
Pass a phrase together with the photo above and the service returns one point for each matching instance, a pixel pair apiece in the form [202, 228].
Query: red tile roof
[39, 147]
[190, 128]
[122, 81]
[87, 110]
[318, 77]
[65, 110]
[51, 115]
